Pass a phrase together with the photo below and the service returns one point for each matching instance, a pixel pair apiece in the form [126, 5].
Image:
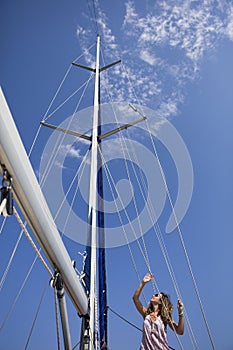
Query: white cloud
[59, 165]
[131, 15]
[162, 50]
[148, 57]
[70, 151]
[229, 26]
[191, 29]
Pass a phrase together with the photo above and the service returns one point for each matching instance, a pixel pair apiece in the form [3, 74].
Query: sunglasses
[159, 294]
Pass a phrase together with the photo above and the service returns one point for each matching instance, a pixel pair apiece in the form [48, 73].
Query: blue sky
[178, 55]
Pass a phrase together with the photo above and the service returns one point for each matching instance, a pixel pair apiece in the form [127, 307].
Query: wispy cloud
[229, 23]
[148, 57]
[70, 151]
[162, 49]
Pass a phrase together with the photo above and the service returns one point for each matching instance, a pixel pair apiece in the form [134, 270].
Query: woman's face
[156, 298]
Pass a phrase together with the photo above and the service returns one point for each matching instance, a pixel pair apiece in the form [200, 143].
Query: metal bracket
[6, 202]
[57, 282]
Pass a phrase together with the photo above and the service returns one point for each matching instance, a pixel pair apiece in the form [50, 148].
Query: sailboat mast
[95, 247]
[92, 213]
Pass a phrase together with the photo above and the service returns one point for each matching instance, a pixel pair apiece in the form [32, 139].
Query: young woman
[156, 318]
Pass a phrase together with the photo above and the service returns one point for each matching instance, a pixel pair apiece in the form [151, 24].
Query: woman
[156, 318]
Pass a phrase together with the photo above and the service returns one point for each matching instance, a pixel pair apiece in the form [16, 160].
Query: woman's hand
[148, 278]
[180, 307]
[179, 327]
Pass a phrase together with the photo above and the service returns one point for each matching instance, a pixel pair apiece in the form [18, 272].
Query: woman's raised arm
[137, 293]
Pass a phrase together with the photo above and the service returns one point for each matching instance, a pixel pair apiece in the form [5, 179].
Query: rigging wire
[10, 261]
[95, 15]
[188, 262]
[39, 128]
[109, 177]
[145, 255]
[53, 158]
[139, 222]
[77, 344]
[59, 142]
[124, 319]
[158, 233]
[3, 224]
[124, 147]
[17, 296]
[96, 29]
[57, 92]
[110, 182]
[179, 232]
[45, 117]
[36, 315]
[122, 140]
[83, 164]
[60, 139]
[157, 230]
[38, 255]
[66, 100]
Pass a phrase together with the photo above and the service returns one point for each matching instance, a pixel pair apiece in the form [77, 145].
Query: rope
[162, 248]
[23, 284]
[157, 229]
[175, 283]
[183, 245]
[26, 232]
[146, 255]
[31, 241]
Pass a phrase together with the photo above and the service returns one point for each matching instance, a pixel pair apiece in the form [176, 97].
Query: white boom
[31, 202]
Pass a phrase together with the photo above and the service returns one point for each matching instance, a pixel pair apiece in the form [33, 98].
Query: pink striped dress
[154, 336]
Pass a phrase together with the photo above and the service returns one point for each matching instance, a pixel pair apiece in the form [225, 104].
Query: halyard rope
[23, 227]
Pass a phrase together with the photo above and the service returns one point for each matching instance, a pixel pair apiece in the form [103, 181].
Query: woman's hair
[165, 309]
